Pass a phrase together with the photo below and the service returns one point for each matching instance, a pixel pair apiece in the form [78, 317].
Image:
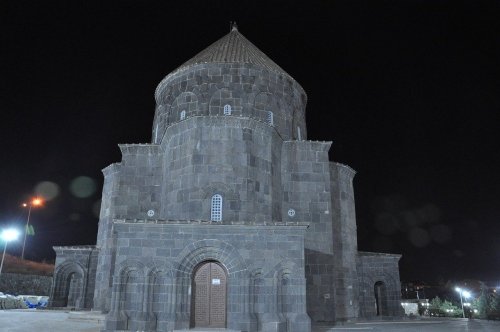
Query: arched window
[183, 115]
[227, 109]
[216, 211]
[270, 119]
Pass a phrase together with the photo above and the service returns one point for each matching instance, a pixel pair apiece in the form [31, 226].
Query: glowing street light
[37, 201]
[463, 293]
[8, 235]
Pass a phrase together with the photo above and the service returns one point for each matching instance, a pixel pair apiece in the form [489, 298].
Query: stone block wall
[381, 270]
[250, 90]
[264, 264]
[74, 275]
[237, 158]
[104, 268]
[140, 180]
[344, 239]
[306, 190]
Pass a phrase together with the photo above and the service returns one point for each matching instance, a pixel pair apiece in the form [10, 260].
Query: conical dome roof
[234, 48]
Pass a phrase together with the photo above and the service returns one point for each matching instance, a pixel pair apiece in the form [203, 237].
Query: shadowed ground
[63, 321]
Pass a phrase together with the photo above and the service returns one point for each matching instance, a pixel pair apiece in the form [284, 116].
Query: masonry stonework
[230, 217]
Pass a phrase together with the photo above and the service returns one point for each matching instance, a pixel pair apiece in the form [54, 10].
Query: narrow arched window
[183, 115]
[216, 211]
[227, 109]
[270, 119]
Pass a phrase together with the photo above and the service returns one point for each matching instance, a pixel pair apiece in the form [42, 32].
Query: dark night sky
[408, 91]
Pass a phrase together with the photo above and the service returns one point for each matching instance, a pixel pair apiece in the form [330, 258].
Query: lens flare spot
[47, 189]
[83, 187]
[386, 224]
[440, 233]
[74, 217]
[419, 237]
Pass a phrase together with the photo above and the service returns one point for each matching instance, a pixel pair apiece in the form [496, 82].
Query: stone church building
[230, 217]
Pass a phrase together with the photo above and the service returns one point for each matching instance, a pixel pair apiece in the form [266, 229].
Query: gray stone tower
[230, 217]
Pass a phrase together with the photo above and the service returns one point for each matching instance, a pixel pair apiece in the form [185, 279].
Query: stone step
[92, 316]
[207, 329]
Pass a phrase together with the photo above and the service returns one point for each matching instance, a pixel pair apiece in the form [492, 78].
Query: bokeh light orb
[47, 189]
[83, 187]
[419, 237]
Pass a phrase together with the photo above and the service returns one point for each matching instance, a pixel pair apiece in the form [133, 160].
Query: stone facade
[73, 283]
[229, 179]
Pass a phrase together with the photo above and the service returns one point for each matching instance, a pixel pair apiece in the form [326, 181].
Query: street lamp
[8, 235]
[465, 294]
[34, 202]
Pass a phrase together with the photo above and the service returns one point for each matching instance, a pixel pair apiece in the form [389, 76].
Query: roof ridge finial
[233, 26]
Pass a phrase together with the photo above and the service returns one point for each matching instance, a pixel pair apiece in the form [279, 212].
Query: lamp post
[34, 202]
[465, 294]
[7, 235]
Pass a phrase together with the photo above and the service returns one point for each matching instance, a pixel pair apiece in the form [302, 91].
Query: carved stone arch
[160, 294]
[298, 123]
[220, 188]
[211, 249]
[161, 122]
[223, 97]
[262, 104]
[130, 264]
[227, 193]
[288, 279]
[159, 266]
[225, 254]
[287, 267]
[121, 279]
[129, 292]
[185, 101]
[266, 103]
[257, 273]
[258, 286]
[167, 96]
[376, 292]
[69, 285]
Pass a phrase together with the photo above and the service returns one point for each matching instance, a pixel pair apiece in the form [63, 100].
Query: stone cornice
[378, 254]
[316, 145]
[88, 247]
[133, 149]
[113, 168]
[346, 170]
[209, 223]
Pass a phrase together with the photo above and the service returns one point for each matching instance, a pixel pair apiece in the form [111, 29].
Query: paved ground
[60, 321]
[24, 320]
[421, 325]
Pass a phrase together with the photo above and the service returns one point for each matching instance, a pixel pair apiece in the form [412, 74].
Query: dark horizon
[407, 92]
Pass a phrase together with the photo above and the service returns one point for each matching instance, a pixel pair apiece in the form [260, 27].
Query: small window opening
[216, 211]
[270, 119]
[183, 115]
[227, 110]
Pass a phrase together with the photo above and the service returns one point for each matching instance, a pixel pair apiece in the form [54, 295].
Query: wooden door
[209, 295]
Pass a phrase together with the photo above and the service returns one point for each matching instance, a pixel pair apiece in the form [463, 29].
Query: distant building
[230, 217]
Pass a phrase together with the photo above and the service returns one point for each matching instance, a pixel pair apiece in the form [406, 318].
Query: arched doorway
[73, 290]
[208, 305]
[380, 298]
